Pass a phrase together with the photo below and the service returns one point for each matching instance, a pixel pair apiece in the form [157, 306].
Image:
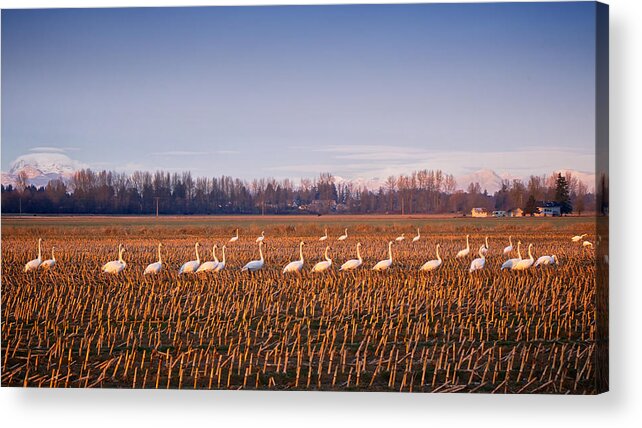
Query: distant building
[515, 212]
[479, 212]
[548, 209]
[499, 213]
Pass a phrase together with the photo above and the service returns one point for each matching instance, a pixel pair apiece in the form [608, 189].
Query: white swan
[262, 237]
[35, 263]
[508, 264]
[418, 237]
[153, 268]
[509, 249]
[209, 266]
[354, 263]
[479, 263]
[325, 264]
[588, 244]
[296, 265]
[255, 265]
[385, 264]
[465, 251]
[485, 250]
[324, 237]
[578, 238]
[546, 260]
[191, 266]
[48, 264]
[431, 265]
[221, 265]
[235, 237]
[344, 236]
[525, 264]
[400, 237]
[116, 266]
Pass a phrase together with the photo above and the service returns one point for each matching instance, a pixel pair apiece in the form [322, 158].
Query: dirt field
[397, 330]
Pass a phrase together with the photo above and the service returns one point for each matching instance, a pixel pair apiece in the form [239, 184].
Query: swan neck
[198, 258]
[39, 247]
[159, 254]
[437, 251]
[301, 250]
[358, 252]
[390, 250]
[53, 257]
[261, 251]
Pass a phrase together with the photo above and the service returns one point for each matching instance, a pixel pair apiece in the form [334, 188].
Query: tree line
[425, 191]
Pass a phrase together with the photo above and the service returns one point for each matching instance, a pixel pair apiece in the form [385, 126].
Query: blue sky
[359, 91]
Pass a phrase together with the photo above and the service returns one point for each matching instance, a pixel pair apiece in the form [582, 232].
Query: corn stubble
[400, 330]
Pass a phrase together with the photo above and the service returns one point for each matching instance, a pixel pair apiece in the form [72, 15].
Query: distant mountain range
[491, 181]
[41, 168]
[44, 167]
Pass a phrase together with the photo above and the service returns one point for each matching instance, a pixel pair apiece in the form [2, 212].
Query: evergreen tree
[531, 206]
[562, 195]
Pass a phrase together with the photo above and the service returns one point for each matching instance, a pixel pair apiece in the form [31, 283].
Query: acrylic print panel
[404, 198]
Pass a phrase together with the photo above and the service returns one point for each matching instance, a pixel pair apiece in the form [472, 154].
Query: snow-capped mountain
[488, 180]
[492, 181]
[359, 183]
[41, 168]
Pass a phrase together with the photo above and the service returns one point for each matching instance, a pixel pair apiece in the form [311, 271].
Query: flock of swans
[296, 266]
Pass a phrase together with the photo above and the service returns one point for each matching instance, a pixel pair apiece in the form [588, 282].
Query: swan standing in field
[325, 264]
[400, 237]
[296, 265]
[546, 260]
[509, 249]
[587, 244]
[344, 236]
[209, 266]
[235, 237]
[116, 266]
[191, 266]
[221, 265]
[48, 264]
[464, 253]
[385, 264]
[262, 237]
[578, 238]
[485, 249]
[525, 264]
[508, 264]
[35, 263]
[354, 263]
[432, 264]
[324, 237]
[418, 237]
[255, 265]
[478, 263]
[155, 267]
